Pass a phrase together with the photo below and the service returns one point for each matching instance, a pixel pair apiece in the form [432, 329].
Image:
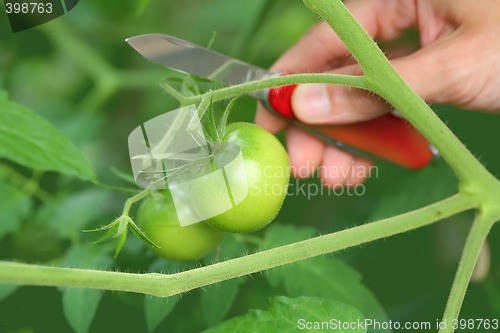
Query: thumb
[335, 104]
[317, 103]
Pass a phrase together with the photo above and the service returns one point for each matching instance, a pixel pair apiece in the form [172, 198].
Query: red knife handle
[388, 137]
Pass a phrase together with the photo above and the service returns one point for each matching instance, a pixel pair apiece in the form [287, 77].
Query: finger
[269, 121]
[360, 171]
[321, 49]
[335, 167]
[435, 80]
[334, 104]
[305, 152]
[423, 70]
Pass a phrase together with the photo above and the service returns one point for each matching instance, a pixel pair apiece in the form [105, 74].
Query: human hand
[456, 63]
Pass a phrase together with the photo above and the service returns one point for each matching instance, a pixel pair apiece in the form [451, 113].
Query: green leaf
[6, 290]
[416, 189]
[156, 309]
[327, 277]
[320, 276]
[216, 301]
[72, 214]
[308, 314]
[80, 305]
[30, 140]
[14, 206]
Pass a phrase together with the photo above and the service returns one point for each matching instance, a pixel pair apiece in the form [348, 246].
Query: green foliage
[217, 300]
[156, 309]
[32, 141]
[6, 290]
[14, 207]
[430, 184]
[284, 315]
[326, 277]
[80, 305]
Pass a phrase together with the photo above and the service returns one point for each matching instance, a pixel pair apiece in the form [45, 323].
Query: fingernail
[311, 102]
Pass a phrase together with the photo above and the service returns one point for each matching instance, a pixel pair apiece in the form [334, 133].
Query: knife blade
[388, 137]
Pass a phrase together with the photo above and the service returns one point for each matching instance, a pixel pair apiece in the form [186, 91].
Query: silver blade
[190, 58]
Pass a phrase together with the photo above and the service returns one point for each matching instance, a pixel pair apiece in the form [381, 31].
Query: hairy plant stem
[170, 284]
[133, 199]
[248, 87]
[475, 240]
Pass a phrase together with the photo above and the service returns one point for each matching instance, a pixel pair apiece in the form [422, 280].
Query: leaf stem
[171, 284]
[276, 81]
[475, 240]
[133, 199]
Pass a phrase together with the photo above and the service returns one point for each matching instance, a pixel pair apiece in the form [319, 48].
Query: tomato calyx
[120, 226]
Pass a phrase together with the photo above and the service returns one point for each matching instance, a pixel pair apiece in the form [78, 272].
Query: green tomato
[266, 174]
[157, 218]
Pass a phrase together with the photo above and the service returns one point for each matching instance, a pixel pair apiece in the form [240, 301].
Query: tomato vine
[478, 190]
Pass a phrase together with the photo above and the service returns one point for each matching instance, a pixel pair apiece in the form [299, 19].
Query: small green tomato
[266, 175]
[158, 220]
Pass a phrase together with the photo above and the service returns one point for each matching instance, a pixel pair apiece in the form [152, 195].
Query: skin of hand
[456, 62]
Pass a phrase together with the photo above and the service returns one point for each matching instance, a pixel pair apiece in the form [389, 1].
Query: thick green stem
[381, 78]
[477, 235]
[171, 284]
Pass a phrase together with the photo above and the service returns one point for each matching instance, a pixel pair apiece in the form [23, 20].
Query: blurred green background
[78, 72]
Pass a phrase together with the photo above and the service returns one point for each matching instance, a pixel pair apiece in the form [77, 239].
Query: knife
[388, 137]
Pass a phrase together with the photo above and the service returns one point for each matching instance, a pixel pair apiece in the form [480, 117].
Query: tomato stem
[475, 241]
[272, 82]
[165, 285]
